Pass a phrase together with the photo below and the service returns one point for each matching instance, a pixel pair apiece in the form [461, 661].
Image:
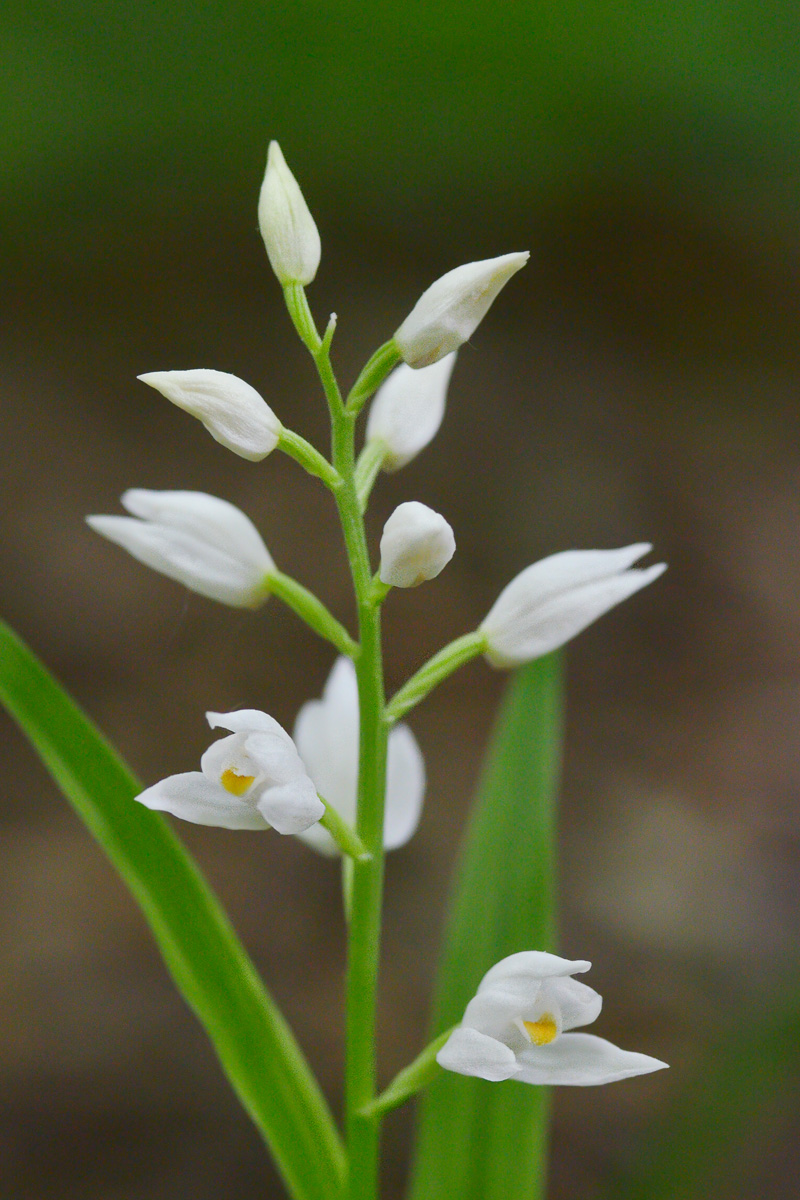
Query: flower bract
[554, 599]
[449, 312]
[518, 1026]
[326, 735]
[231, 410]
[203, 542]
[253, 779]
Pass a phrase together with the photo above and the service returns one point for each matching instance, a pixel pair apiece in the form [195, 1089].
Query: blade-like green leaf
[207, 961]
[479, 1140]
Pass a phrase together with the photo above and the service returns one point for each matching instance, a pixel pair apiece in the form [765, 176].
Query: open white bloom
[417, 544]
[326, 735]
[449, 312]
[408, 409]
[287, 227]
[231, 410]
[253, 779]
[553, 600]
[516, 1028]
[201, 541]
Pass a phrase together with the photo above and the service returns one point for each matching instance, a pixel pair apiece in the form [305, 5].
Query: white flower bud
[203, 542]
[287, 227]
[555, 599]
[408, 409]
[231, 410]
[417, 544]
[449, 312]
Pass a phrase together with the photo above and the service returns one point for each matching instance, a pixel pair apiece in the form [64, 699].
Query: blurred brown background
[638, 381]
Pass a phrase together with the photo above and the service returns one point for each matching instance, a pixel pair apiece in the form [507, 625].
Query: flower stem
[434, 671]
[345, 837]
[311, 610]
[366, 892]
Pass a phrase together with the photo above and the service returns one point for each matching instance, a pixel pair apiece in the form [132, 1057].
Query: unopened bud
[417, 544]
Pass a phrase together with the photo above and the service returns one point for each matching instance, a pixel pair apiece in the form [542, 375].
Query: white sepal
[408, 410]
[252, 779]
[449, 312]
[516, 1026]
[287, 227]
[417, 544]
[326, 736]
[203, 542]
[553, 600]
[231, 410]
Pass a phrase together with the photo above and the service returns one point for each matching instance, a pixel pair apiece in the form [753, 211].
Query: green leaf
[208, 963]
[479, 1140]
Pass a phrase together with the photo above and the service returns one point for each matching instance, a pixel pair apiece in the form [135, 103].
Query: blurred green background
[638, 380]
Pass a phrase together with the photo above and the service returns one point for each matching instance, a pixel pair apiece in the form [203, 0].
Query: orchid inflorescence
[351, 781]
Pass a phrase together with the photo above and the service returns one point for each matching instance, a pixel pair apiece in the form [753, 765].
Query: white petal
[582, 1060]
[579, 1004]
[247, 720]
[495, 1011]
[405, 787]
[276, 757]
[292, 807]
[417, 544]
[213, 521]
[193, 798]
[408, 410]
[450, 310]
[186, 558]
[472, 1053]
[287, 227]
[529, 967]
[553, 600]
[326, 736]
[231, 410]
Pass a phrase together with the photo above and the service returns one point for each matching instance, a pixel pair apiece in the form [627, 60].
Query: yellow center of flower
[543, 1031]
[236, 784]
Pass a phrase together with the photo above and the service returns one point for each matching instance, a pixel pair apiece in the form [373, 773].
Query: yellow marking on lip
[236, 784]
[543, 1031]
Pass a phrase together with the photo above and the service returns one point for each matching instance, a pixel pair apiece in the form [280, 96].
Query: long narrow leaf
[207, 961]
[479, 1140]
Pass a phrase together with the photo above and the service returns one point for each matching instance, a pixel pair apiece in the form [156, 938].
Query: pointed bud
[231, 410]
[408, 409]
[555, 599]
[449, 312]
[287, 227]
[417, 544]
[203, 542]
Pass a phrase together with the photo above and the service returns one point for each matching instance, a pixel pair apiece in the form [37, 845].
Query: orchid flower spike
[555, 599]
[205, 543]
[516, 1027]
[408, 410]
[287, 227]
[417, 544]
[452, 308]
[231, 410]
[326, 735]
[253, 779]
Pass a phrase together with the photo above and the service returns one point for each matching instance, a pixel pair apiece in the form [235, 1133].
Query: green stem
[363, 1131]
[435, 670]
[370, 461]
[417, 1075]
[311, 610]
[345, 837]
[385, 359]
[295, 296]
[309, 458]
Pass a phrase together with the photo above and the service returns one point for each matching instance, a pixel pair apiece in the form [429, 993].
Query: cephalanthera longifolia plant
[350, 781]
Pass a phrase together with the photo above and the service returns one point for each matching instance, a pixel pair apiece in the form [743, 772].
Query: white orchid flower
[417, 544]
[253, 779]
[553, 600]
[449, 312]
[203, 542]
[517, 1027]
[326, 735]
[287, 226]
[232, 411]
[408, 410]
